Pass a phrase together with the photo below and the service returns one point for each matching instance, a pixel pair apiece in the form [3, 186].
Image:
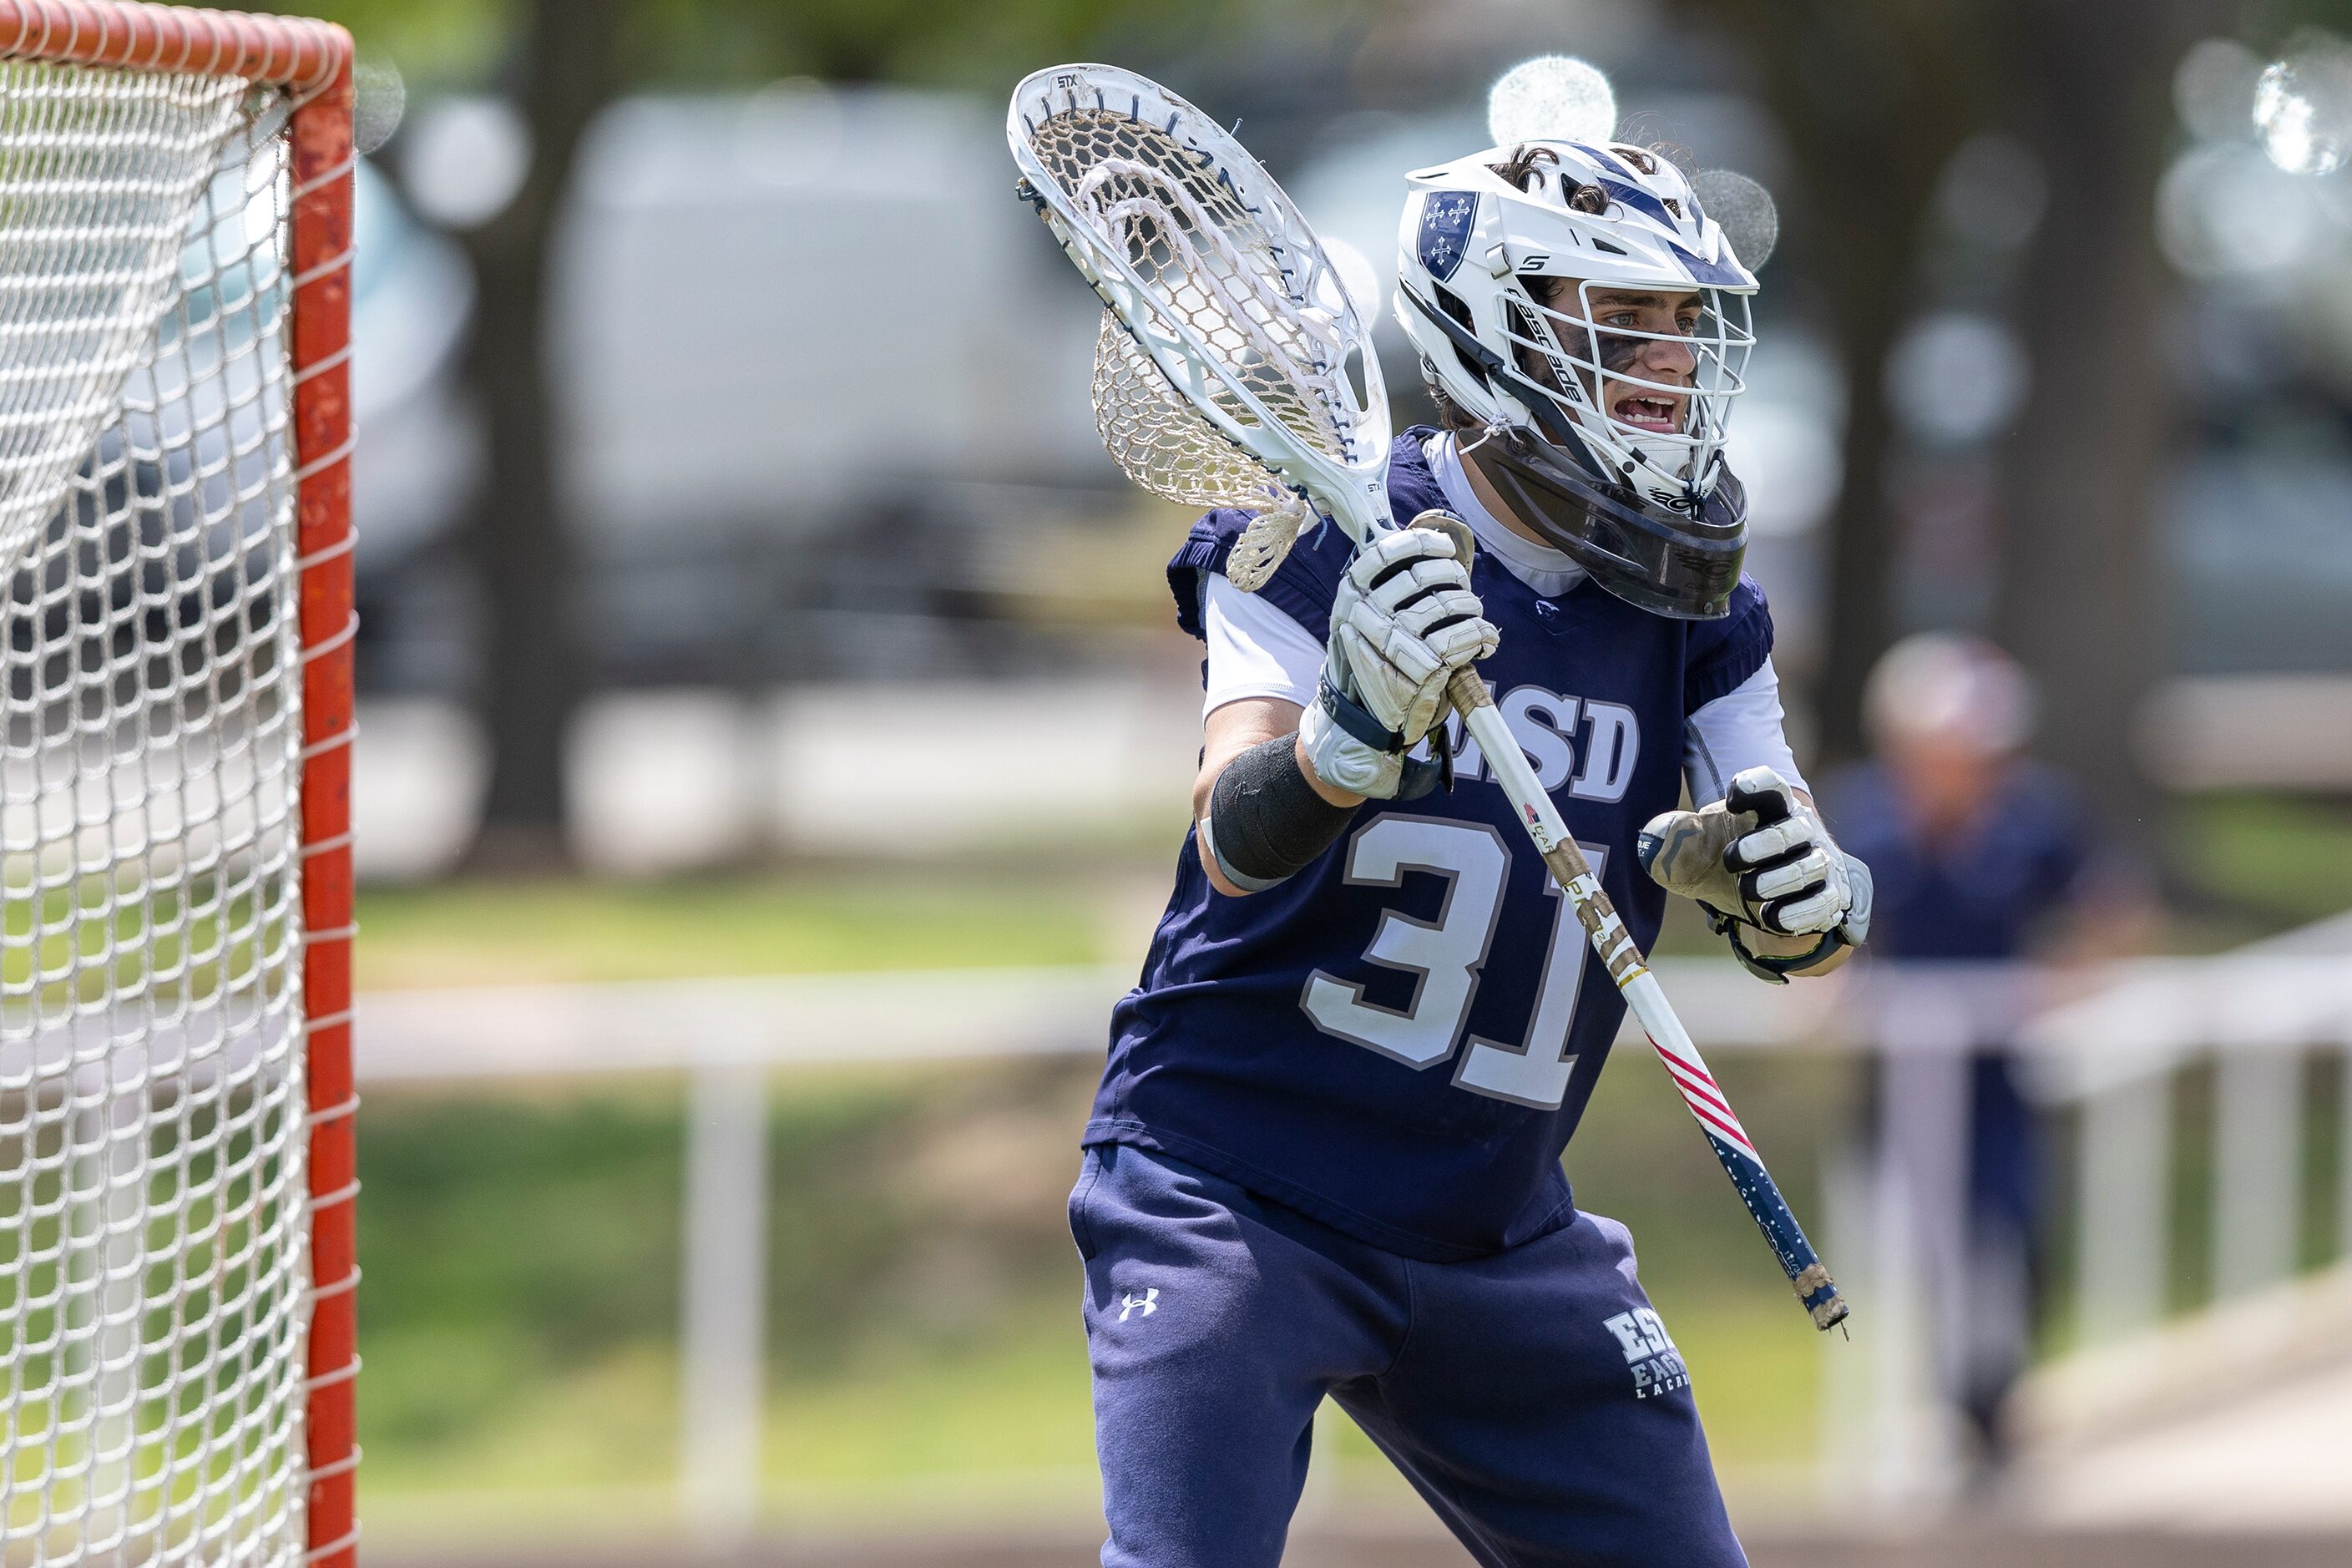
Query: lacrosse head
[1232, 366]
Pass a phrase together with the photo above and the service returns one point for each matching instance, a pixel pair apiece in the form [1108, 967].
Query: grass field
[2276, 860]
[498, 933]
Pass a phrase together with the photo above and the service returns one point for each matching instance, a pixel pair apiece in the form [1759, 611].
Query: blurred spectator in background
[1978, 855]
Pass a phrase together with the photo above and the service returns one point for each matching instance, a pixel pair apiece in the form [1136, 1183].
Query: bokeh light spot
[2302, 108]
[1552, 98]
[1751, 218]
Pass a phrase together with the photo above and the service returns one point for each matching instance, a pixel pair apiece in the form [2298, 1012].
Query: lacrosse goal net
[175, 712]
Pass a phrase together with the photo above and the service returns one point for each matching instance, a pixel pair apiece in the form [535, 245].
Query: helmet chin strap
[1680, 468]
[1659, 558]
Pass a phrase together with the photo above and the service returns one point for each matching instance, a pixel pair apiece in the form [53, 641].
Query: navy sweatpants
[1532, 1397]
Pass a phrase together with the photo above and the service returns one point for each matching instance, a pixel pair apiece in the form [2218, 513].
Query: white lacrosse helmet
[1630, 502]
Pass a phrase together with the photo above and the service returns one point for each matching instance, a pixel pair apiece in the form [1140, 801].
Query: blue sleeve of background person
[2061, 827]
[1858, 801]
[1723, 653]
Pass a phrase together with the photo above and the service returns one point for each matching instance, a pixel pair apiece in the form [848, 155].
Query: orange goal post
[176, 617]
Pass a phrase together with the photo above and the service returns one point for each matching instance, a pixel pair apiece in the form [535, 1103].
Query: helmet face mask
[1539, 286]
[1591, 368]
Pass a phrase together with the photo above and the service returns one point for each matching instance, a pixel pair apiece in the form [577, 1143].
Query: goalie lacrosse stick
[1234, 370]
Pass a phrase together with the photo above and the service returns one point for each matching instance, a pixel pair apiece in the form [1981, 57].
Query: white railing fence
[2108, 1048]
[2110, 1044]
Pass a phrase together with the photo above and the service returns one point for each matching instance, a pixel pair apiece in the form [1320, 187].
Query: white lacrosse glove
[1403, 622]
[1762, 866]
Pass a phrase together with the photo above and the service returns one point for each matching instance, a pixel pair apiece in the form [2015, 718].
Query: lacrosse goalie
[1325, 1157]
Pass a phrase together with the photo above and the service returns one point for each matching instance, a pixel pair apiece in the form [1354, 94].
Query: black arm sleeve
[1269, 821]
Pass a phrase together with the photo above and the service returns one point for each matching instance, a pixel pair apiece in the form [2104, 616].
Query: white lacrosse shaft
[1646, 998]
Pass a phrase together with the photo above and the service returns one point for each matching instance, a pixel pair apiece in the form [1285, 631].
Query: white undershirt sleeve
[1742, 729]
[1255, 650]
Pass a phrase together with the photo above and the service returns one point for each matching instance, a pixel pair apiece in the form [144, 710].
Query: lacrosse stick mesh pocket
[1160, 441]
[1266, 307]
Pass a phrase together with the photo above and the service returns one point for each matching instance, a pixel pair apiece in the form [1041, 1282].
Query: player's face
[1665, 361]
[1652, 364]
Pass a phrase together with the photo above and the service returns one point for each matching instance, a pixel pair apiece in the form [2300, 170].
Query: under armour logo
[1147, 1303]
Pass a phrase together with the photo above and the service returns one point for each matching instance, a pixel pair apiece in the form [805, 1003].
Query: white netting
[1160, 441]
[152, 1215]
[96, 172]
[1261, 303]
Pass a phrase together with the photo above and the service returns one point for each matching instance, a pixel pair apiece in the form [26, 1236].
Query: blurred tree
[1874, 96]
[560, 62]
[437, 43]
[2081, 585]
[567, 61]
[2272, 23]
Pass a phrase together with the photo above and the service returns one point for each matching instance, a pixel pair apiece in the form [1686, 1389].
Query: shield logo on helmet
[1445, 219]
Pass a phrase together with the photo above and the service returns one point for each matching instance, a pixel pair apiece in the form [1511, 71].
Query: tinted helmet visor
[1649, 555]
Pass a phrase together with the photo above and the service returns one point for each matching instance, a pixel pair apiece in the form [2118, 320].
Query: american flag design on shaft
[1734, 1150]
[1736, 1154]
[1706, 1099]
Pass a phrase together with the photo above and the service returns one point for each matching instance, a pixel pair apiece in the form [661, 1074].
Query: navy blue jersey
[1398, 1040]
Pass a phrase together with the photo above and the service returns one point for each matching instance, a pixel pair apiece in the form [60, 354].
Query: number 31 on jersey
[1445, 955]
